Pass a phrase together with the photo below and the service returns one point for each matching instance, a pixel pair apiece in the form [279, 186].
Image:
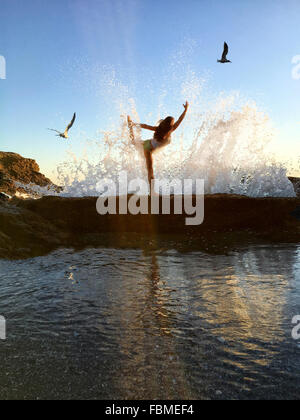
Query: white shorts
[156, 144]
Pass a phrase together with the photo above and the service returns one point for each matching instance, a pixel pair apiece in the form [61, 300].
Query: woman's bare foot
[130, 126]
[129, 121]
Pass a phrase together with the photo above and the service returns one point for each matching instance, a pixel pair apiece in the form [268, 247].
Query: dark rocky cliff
[15, 168]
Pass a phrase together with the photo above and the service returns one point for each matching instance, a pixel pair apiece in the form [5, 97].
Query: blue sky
[54, 50]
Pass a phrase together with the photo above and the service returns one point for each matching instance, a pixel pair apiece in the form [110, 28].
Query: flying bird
[224, 56]
[64, 135]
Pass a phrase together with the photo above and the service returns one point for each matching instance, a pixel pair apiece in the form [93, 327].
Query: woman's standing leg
[147, 153]
[149, 163]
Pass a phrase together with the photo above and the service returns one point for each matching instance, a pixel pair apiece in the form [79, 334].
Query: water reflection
[147, 319]
[141, 324]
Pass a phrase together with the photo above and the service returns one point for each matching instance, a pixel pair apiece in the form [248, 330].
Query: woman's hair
[164, 128]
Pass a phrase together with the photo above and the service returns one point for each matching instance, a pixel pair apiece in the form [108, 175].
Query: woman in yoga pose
[161, 137]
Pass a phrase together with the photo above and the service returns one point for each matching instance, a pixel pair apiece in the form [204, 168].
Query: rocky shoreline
[31, 228]
[35, 227]
[16, 171]
[296, 183]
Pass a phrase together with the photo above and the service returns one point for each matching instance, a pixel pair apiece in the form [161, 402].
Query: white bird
[224, 56]
[64, 135]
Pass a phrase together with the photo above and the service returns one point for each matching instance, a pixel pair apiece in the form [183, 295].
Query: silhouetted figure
[161, 137]
[65, 134]
[224, 56]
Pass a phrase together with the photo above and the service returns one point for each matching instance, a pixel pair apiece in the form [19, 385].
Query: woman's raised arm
[181, 118]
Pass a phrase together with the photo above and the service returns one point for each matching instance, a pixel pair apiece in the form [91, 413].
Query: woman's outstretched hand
[186, 105]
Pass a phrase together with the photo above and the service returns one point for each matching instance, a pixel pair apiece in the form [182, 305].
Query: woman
[161, 137]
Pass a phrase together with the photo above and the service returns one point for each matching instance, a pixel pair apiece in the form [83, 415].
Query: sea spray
[224, 146]
[223, 140]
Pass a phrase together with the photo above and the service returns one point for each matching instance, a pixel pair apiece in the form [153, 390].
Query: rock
[296, 183]
[15, 168]
[24, 234]
[35, 227]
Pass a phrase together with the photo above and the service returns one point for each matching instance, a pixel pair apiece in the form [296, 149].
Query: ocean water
[109, 323]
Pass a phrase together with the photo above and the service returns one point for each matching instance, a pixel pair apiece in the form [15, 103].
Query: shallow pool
[115, 324]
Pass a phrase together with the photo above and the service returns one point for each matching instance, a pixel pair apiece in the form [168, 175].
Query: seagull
[65, 134]
[224, 56]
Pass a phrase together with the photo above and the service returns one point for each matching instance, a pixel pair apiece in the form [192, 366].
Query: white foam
[225, 148]
[224, 140]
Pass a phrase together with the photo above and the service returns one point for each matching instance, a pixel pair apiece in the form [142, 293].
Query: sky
[58, 52]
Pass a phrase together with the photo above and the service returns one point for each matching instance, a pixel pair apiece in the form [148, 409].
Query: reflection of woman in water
[161, 137]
